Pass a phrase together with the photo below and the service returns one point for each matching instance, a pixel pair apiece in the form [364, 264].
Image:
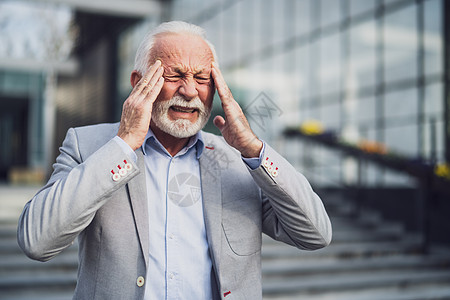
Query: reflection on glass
[434, 106]
[307, 77]
[214, 33]
[366, 111]
[299, 11]
[330, 115]
[247, 27]
[229, 36]
[314, 66]
[190, 9]
[433, 37]
[266, 30]
[303, 65]
[330, 64]
[403, 139]
[358, 6]
[330, 12]
[291, 73]
[400, 44]
[280, 19]
[401, 104]
[362, 55]
[388, 2]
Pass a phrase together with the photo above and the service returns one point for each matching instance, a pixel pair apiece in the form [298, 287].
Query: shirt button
[171, 276]
[140, 281]
[171, 236]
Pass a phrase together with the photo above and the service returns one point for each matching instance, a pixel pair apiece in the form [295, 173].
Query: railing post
[425, 199]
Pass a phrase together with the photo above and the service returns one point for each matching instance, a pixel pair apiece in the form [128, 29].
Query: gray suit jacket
[110, 217]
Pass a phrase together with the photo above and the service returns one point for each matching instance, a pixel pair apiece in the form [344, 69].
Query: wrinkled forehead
[182, 51]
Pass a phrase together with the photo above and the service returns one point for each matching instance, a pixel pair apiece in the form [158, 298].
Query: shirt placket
[172, 262]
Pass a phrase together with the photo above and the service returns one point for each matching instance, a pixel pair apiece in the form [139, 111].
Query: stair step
[355, 234]
[348, 250]
[43, 295]
[18, 263]
[434, 292]
[8, 231]
[315, 284]
[39, 280]
[283, 267]
[10, 246]
[342, 223]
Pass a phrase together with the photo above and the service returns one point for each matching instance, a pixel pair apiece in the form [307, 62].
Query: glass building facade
[369, 69]
[365, 69]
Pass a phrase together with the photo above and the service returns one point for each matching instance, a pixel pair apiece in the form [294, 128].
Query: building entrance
[13, 134]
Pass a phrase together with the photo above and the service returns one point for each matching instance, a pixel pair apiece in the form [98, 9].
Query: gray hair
[141, 62]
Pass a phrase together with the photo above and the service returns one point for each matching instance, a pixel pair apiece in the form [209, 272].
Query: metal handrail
[430, 184]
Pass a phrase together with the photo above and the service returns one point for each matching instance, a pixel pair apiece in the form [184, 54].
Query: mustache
[178, 100]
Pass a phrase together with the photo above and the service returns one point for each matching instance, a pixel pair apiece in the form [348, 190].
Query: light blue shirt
[180, 264]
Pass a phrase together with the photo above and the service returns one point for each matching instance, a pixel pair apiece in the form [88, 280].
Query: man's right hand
[137, 109]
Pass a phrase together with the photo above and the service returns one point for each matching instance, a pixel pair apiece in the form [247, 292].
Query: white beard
[180, 128]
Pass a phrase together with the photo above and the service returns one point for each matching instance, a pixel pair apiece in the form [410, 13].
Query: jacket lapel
[138, 197]
[212, 203]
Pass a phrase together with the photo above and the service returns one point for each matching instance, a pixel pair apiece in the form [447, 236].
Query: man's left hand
[234, 127]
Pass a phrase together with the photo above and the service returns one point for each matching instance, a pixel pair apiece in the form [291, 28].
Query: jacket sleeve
[66, 205]
[292, 212]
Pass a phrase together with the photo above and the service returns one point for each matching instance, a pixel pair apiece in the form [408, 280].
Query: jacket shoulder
[91, 138]
[105, 130]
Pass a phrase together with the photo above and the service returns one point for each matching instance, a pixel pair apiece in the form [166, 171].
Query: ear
[135, 77]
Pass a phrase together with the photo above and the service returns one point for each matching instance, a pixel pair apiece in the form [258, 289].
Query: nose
[188, 89]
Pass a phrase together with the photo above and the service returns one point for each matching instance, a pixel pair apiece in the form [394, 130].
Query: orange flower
[372, 147]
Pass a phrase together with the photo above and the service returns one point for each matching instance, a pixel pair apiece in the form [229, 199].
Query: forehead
[183, 52]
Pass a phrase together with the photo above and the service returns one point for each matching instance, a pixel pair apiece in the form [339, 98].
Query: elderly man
[158, 212]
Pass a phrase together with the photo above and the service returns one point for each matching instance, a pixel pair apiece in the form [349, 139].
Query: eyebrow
[182, 70]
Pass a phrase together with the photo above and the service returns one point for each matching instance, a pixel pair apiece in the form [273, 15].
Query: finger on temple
[222, 88]
[150, 73]
[154, 92]
[156, 76]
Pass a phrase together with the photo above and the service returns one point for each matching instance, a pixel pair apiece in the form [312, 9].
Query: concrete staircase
[367, 259]
[20, 277]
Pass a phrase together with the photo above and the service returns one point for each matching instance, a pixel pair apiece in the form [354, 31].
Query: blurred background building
[366, 69]
[372, 77]
[369, 70]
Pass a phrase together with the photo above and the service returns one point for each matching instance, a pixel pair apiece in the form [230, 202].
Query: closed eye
[172, 77]
[201, 79]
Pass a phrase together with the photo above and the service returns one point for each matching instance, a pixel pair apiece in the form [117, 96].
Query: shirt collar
[195, 140]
